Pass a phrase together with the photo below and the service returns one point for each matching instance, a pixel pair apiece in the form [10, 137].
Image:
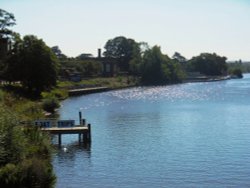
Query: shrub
[25, 154]
[50, 104]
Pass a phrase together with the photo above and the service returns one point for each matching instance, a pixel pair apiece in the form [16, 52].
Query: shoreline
[92, 90]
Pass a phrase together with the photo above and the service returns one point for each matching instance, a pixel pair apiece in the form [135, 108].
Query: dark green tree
[158, 68]
[123, 49]
[34, 64]
[178, 57]
[6, 20]
[56, 50]
[208, 64]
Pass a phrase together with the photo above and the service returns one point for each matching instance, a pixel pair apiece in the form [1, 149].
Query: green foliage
[208, 64]
[1, 96]
[122, 49]
[56, 50]
[236, 72]
[158, 68]
[243, 66]
[58, 93]
[6, 20]
[178, 57]
[25, 154]
[50, 104]
[34, 64]
[87, 68]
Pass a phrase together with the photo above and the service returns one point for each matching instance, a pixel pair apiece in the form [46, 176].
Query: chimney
[99, 53]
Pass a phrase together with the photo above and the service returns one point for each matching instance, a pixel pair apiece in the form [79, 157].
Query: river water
[186, 135]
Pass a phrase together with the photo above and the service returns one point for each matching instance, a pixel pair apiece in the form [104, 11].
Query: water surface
[186, 135]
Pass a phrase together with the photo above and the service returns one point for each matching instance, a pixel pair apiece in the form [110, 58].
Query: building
[109, 65]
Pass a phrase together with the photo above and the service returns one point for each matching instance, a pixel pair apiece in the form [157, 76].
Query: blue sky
[186, 26]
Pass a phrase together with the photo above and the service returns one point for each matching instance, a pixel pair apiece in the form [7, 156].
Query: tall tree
[122, 49]
[6, 20]
[56, 50]
[34, 64]
[208, 64]
[177, 56]
[158, 68]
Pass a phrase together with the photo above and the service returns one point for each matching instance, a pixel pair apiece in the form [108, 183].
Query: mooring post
[80, 138]
[59, 139]
[80, 117]
[83, 122]
[89, 133]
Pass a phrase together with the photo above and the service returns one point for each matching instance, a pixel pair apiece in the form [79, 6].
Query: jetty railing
[60, 127]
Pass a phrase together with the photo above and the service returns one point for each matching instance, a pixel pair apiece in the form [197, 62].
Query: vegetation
[208, 64]
[236, 72]
[122, 49]
[158, 68]
[86, 68]
[50, 104]
[244, 67]
[7, 20]
[36, 65]
[25, 152]
[32, 67]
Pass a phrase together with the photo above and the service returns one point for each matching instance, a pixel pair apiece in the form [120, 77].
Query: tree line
[37, 66]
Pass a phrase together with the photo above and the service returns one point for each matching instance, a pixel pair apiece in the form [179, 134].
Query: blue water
[186, 135]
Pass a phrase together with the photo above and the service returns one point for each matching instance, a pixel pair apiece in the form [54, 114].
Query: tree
[122, 49]
[208, 64]
[34, 64]
[6, 20]
[158, 68]
[56, 50]
[177, 56]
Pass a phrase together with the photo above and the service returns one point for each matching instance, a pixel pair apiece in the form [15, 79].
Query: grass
[111, 82]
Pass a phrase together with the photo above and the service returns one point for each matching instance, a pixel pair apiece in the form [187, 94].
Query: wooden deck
[84, 132]
[66, 130]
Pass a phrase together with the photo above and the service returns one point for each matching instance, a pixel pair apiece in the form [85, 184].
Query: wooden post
[83, 122]
[59, 139]
[79, 138]
[80, 117]
[85, 138]
[89, 133]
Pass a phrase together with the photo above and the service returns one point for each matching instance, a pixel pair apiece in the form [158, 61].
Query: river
[185, 135]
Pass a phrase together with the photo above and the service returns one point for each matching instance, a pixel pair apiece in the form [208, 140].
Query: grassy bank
[61, 91]
[25, 152]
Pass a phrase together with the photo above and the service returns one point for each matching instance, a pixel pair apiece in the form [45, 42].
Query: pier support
[59, 139]
[89, 133]
[80, 117]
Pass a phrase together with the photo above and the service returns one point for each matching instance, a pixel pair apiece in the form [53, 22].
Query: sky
[189, 27]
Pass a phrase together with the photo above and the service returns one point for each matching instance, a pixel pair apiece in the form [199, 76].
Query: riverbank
[97, 85]
[26, 153]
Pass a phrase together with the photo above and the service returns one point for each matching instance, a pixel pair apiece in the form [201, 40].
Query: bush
[25, 154]
[50, 104]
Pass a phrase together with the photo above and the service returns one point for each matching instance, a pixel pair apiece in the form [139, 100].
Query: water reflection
[69, 151]
[187, 135]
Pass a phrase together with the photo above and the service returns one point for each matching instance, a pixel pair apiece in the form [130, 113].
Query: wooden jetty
[84, 132]
[61, 127]
[84, 91]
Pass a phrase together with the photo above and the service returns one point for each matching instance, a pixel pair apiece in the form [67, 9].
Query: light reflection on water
[186, 135]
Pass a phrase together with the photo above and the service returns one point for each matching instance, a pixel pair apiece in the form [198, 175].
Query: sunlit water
[186, 135]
